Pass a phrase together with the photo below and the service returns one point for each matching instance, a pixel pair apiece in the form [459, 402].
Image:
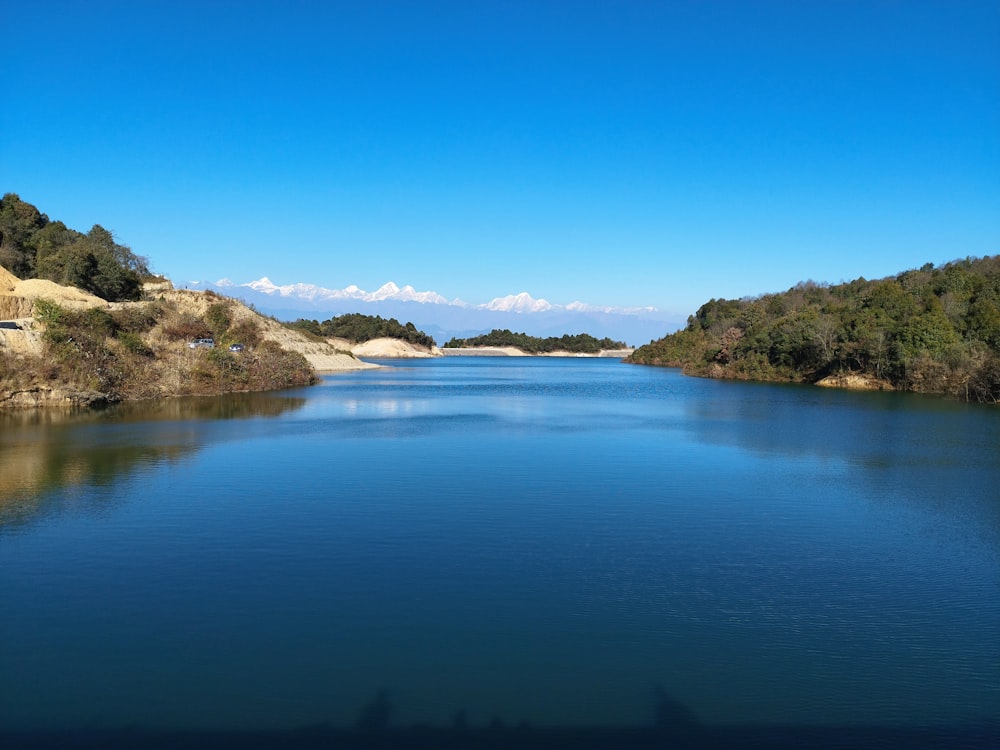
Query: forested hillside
[932, 330]
[582, 343]
[32, 246]
[358, 328]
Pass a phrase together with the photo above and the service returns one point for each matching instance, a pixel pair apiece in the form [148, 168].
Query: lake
[556, 542]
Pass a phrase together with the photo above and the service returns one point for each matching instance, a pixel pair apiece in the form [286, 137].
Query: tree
[31, 246]
[19, 221]
[932, 330]
[95, 263]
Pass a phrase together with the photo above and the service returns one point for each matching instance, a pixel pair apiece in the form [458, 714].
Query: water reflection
[894, 448]
[45, 450]
[383, 407]
[880, 428]
[470, 557]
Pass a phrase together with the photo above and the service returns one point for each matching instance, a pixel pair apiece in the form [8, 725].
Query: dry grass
[87, 350]
[140, 350]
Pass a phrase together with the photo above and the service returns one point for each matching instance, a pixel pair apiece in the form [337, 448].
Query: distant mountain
[444, 319]
[317, 294]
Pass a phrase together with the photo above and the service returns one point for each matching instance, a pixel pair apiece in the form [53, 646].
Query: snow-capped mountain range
[522, 302]
[315, 293]
[443, 318]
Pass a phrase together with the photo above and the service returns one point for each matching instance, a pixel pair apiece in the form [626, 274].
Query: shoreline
[153, 360]
[512, 351]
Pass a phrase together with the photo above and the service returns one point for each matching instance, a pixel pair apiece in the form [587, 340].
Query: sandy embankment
[513, 351]
[855, 382]
[386, 348]
[17, 309]
[485, 351]
[605, 353]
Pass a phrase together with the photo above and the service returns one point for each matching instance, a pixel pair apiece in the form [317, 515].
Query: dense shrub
[246, 332]
[32, 246]
[139, 318]
[582, 343]
[186, 327]
[110, 353]
[219, 318]
[358, 328]
[932, 330]
[133, 343]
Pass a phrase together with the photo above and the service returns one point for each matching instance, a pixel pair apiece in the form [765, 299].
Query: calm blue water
[533, 539]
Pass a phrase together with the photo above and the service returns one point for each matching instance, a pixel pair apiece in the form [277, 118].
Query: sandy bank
[855, 383]
[512, 351]
[391, 349]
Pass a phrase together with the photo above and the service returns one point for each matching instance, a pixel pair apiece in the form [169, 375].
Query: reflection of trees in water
[42, 450]
[230, 406]
[914, 439]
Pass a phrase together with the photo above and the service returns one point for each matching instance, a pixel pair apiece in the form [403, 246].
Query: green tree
[33, 247]
[932, 329]
[95, 263]
[19, 221]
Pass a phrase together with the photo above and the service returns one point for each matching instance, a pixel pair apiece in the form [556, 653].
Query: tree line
[358, 328]
[580, 343]
[930, 330]
[32, 246]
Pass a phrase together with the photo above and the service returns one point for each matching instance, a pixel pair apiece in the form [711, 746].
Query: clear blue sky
[621, 153]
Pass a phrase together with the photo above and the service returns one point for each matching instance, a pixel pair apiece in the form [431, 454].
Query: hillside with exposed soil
[62, 346]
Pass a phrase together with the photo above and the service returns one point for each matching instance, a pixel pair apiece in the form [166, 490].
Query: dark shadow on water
[675, 720]
[516, 738]
[375, 715]
[673, 725]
